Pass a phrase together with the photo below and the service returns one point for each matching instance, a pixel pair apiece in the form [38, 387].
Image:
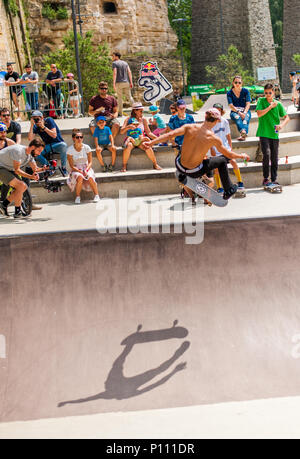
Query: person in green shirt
[269, 113]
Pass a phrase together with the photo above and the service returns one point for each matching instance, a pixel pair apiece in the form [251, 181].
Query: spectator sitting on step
[173, 109]
[104, 140]
[157, 122]
[179, 120]
[135, 136]
[239, 101]
[13, 128]
[104, 105]
[48, 130]
[137, 113]
[80, 160]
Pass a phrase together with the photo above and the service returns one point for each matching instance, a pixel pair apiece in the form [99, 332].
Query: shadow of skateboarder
[119, 387]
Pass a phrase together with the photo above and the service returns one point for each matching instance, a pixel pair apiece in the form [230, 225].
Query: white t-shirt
[79, 157]
[222, 130]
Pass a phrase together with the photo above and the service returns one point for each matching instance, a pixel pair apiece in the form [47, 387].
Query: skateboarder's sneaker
[220, 190]
[266, 182]
[227, 194]
[241, 186]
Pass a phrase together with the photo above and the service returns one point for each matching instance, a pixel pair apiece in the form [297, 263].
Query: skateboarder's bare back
[198, 139]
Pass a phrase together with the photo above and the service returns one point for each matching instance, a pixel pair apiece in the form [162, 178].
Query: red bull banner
[151, 79]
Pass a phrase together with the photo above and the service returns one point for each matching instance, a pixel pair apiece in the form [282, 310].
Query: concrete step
[289, 146]
[66, 127]
[152, 182]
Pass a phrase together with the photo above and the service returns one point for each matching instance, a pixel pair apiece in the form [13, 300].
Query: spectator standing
[293, 78]
[222, 130]
[80, 160]
[13, 127]
[176, 94]
[73, 94]
[179, 120]
[105, 105]
[269, 113]
[54, 78]
[122, 80]
[49, 132]
[31, 78]
[11, 78]
[239, 101]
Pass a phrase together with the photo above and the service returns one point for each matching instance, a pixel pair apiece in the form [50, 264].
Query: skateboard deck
[201, 189]
[273, 188]
[240, 194]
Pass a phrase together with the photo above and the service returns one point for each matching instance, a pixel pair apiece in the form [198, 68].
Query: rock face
[291, 40]
[129, 26]
[243, 23]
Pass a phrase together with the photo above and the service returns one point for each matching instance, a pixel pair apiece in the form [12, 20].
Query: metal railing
[57, 101]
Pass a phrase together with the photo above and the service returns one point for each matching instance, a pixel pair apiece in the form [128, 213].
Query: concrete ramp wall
[99, 324]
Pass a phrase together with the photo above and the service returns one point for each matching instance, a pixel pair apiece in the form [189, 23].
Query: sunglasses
[78, 136]
[104, 89]
[237, 82]
[6, 116]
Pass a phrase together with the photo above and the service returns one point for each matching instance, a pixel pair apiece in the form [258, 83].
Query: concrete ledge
[152, 182]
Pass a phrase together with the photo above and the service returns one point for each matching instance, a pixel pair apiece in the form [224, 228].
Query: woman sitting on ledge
[142, 126]
[239, 101]
[80, 161]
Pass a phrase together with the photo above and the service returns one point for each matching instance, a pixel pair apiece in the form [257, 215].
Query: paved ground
[66, 216]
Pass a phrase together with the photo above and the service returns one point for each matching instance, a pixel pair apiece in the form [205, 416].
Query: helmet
[3, 127]
[70, 75]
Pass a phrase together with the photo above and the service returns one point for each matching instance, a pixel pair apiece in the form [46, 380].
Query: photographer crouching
[13, 160]
[49, 132]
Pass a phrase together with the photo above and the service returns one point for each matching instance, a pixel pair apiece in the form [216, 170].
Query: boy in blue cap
[104, 140]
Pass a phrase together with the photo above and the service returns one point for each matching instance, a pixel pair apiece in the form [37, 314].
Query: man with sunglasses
[49, 132]
[270, 112]
[13, 128]
[104, 105]
[13, 160]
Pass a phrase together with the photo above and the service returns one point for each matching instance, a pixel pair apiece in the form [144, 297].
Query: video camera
[53, 186]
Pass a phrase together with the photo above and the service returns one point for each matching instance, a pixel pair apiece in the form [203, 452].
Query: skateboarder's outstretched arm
[229, 154]
[168, 136]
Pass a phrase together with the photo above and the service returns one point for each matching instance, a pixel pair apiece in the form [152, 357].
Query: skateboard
[273, 188]
[240, 194]
[201, 189]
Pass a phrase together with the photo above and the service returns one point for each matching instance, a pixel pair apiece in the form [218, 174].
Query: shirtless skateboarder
[198, 140]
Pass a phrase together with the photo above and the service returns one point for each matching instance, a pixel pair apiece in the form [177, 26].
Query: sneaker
[77, 200]
[266, 182]
[96, 198]
[19, 215]
[220, 190]
[240, 186]
[111, 168]
[3, 210]
[64, 172]
[104, 168]
[227, 194]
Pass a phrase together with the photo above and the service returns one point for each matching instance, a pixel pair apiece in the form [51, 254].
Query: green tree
[276, 10]
[182, 9]
[95, 63]
[296, 59]
[228, 65]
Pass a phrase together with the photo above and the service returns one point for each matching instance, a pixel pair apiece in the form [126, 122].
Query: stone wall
[136, 26]
[291, 40]
[243, 23]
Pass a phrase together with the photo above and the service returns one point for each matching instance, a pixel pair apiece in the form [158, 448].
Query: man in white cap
[198, 140]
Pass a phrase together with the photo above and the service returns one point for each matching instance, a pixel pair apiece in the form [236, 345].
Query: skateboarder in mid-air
[198, 140]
